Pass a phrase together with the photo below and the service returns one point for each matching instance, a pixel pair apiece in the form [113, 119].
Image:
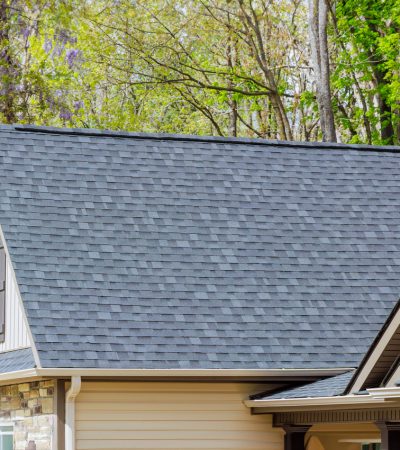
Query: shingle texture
[170, 253]
[16, 360]
[329, 387]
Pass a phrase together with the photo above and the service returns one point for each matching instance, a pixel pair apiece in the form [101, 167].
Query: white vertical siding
[175, 416]
[16, 335]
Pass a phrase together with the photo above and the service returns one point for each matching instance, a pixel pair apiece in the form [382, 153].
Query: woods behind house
[276, 69]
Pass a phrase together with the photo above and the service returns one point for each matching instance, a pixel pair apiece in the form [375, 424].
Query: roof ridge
[196, 138]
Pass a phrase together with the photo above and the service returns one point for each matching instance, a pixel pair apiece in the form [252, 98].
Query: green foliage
[201, 67]
[367, 67]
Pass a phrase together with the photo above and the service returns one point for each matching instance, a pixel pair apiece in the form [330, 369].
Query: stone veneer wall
[30, 408]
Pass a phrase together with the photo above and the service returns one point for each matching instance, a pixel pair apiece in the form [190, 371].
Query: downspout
[70, 397]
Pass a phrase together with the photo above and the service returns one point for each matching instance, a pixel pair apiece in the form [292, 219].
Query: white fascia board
[378, 395]
[91, 372]
[18, 375]
[316, 401]
[166, 373]
[385, 392]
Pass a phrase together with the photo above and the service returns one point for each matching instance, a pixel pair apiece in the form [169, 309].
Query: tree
[318, 20]
[224, 58]
[368, 67]
[9, 70]
[220, 67]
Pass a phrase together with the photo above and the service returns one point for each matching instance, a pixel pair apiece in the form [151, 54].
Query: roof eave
[315, 401]
[373, 397]
[18, 375]
[256, 373]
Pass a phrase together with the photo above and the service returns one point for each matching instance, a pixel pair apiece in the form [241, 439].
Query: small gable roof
[328, 387]
[149, 251]
[382, 360]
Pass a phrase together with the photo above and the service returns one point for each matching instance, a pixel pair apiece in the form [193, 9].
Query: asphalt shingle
[163, 252]
[16, 360]
[329, 387]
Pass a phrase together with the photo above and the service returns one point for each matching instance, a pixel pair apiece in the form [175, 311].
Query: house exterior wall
[30, 409]
[178, 416]
[16, 333]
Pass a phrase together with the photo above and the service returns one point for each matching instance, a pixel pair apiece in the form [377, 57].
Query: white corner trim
[21, 303]
[70, 397]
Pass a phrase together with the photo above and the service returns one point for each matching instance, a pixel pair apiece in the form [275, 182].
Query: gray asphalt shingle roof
[151, 252]
[329, 387]
[16, 360]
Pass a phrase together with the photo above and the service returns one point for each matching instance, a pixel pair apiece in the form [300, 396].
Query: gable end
[14, 331]
[382, 360]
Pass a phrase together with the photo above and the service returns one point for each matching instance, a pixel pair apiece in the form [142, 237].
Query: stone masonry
[29, 407]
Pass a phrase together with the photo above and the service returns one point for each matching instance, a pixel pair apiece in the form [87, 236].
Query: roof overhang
[372, 397]
[18, 376]
[266, 375]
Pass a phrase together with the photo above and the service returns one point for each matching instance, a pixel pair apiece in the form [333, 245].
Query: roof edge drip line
[88, 372]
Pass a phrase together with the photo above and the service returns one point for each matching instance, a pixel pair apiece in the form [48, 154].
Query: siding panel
[179, 416]
[16, 335]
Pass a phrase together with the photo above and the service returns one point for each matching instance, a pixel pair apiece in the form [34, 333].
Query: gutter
[89, 372]
[183, 373]
[386, 392]
[70, 397]
[316, 401]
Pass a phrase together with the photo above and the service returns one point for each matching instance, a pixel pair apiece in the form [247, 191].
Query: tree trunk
[385, 110]
[284, 128]
[285, 132]
[233, 118]
[318, 19]
[231, 54]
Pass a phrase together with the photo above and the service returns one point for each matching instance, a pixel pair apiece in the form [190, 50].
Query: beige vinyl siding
[16, 333]
[179, 416]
